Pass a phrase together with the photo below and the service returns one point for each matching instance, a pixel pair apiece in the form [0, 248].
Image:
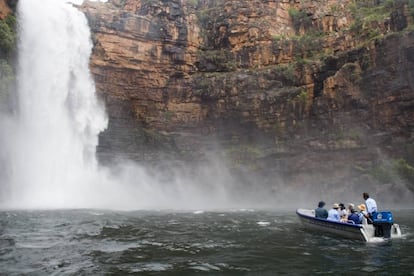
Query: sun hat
[362, 207]
[335, 206]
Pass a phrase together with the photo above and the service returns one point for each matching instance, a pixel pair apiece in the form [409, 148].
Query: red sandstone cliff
[4, 9]
[285, 88]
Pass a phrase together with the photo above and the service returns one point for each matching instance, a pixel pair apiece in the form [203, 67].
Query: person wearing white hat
[333, 213]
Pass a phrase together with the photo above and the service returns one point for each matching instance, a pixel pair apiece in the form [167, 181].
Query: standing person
[371, 205]
[333, 213]
[371, 210]
[321, 212]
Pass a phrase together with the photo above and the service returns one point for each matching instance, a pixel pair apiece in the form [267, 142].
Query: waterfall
[59, 116]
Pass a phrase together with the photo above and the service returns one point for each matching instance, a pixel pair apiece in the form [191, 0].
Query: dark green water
[242, 242]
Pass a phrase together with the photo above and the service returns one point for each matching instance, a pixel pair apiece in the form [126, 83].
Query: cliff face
[5, 9]
[309, 91]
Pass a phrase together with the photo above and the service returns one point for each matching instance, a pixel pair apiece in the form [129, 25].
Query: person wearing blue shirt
[353, 216]
[333, 213]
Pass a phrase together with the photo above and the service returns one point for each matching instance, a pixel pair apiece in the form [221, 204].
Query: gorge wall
[308, 91]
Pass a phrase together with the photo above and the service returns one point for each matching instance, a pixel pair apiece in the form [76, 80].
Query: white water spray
[59, 116]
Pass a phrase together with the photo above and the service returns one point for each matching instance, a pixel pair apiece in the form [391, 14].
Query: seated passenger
[333, 213]
[362, 213]
[353, 216]
[351, 207]
[343, 214]
[321, 212]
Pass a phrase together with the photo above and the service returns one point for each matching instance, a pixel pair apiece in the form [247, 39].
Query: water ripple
[82, 242]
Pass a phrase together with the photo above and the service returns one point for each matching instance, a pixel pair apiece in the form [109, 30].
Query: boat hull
[364, 232]
[346, 230]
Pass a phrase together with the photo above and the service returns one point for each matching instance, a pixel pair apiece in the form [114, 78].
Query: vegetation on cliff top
[373, 19]
[7, 48]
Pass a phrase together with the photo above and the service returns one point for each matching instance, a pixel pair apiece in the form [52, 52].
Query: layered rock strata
[284, 88]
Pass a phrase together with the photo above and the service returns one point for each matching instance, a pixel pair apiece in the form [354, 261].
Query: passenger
[354, 215]
[333, 213]
[342, 212]
[351, 206]
[371, 205]
[321, 212]
[362, 213]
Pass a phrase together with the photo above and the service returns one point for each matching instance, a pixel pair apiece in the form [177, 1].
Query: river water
[231, 242]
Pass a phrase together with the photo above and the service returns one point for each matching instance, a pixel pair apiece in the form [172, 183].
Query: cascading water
[59, 116]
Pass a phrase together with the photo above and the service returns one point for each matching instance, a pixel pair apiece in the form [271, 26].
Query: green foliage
[278, 38]
[6, 80]
[167, 116]
[404, 170]
[335, 9]
[411, 8]
[370, 15]
[193, 3]
[7, 46]
[218, 60]
[7, 36]
[298, 97]
[244, 154]
[306, 46]
[299, 18]
[288, 71]
[309, 44]
[303, 96]
[204, 16]
[382, 173]
[387, 172]
[353, 72]
[146, 2]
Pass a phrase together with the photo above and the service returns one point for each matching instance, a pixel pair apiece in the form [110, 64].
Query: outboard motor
[382, 222]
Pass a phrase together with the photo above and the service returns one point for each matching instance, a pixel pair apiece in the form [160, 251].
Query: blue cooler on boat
[382, 222]
[382, 217]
